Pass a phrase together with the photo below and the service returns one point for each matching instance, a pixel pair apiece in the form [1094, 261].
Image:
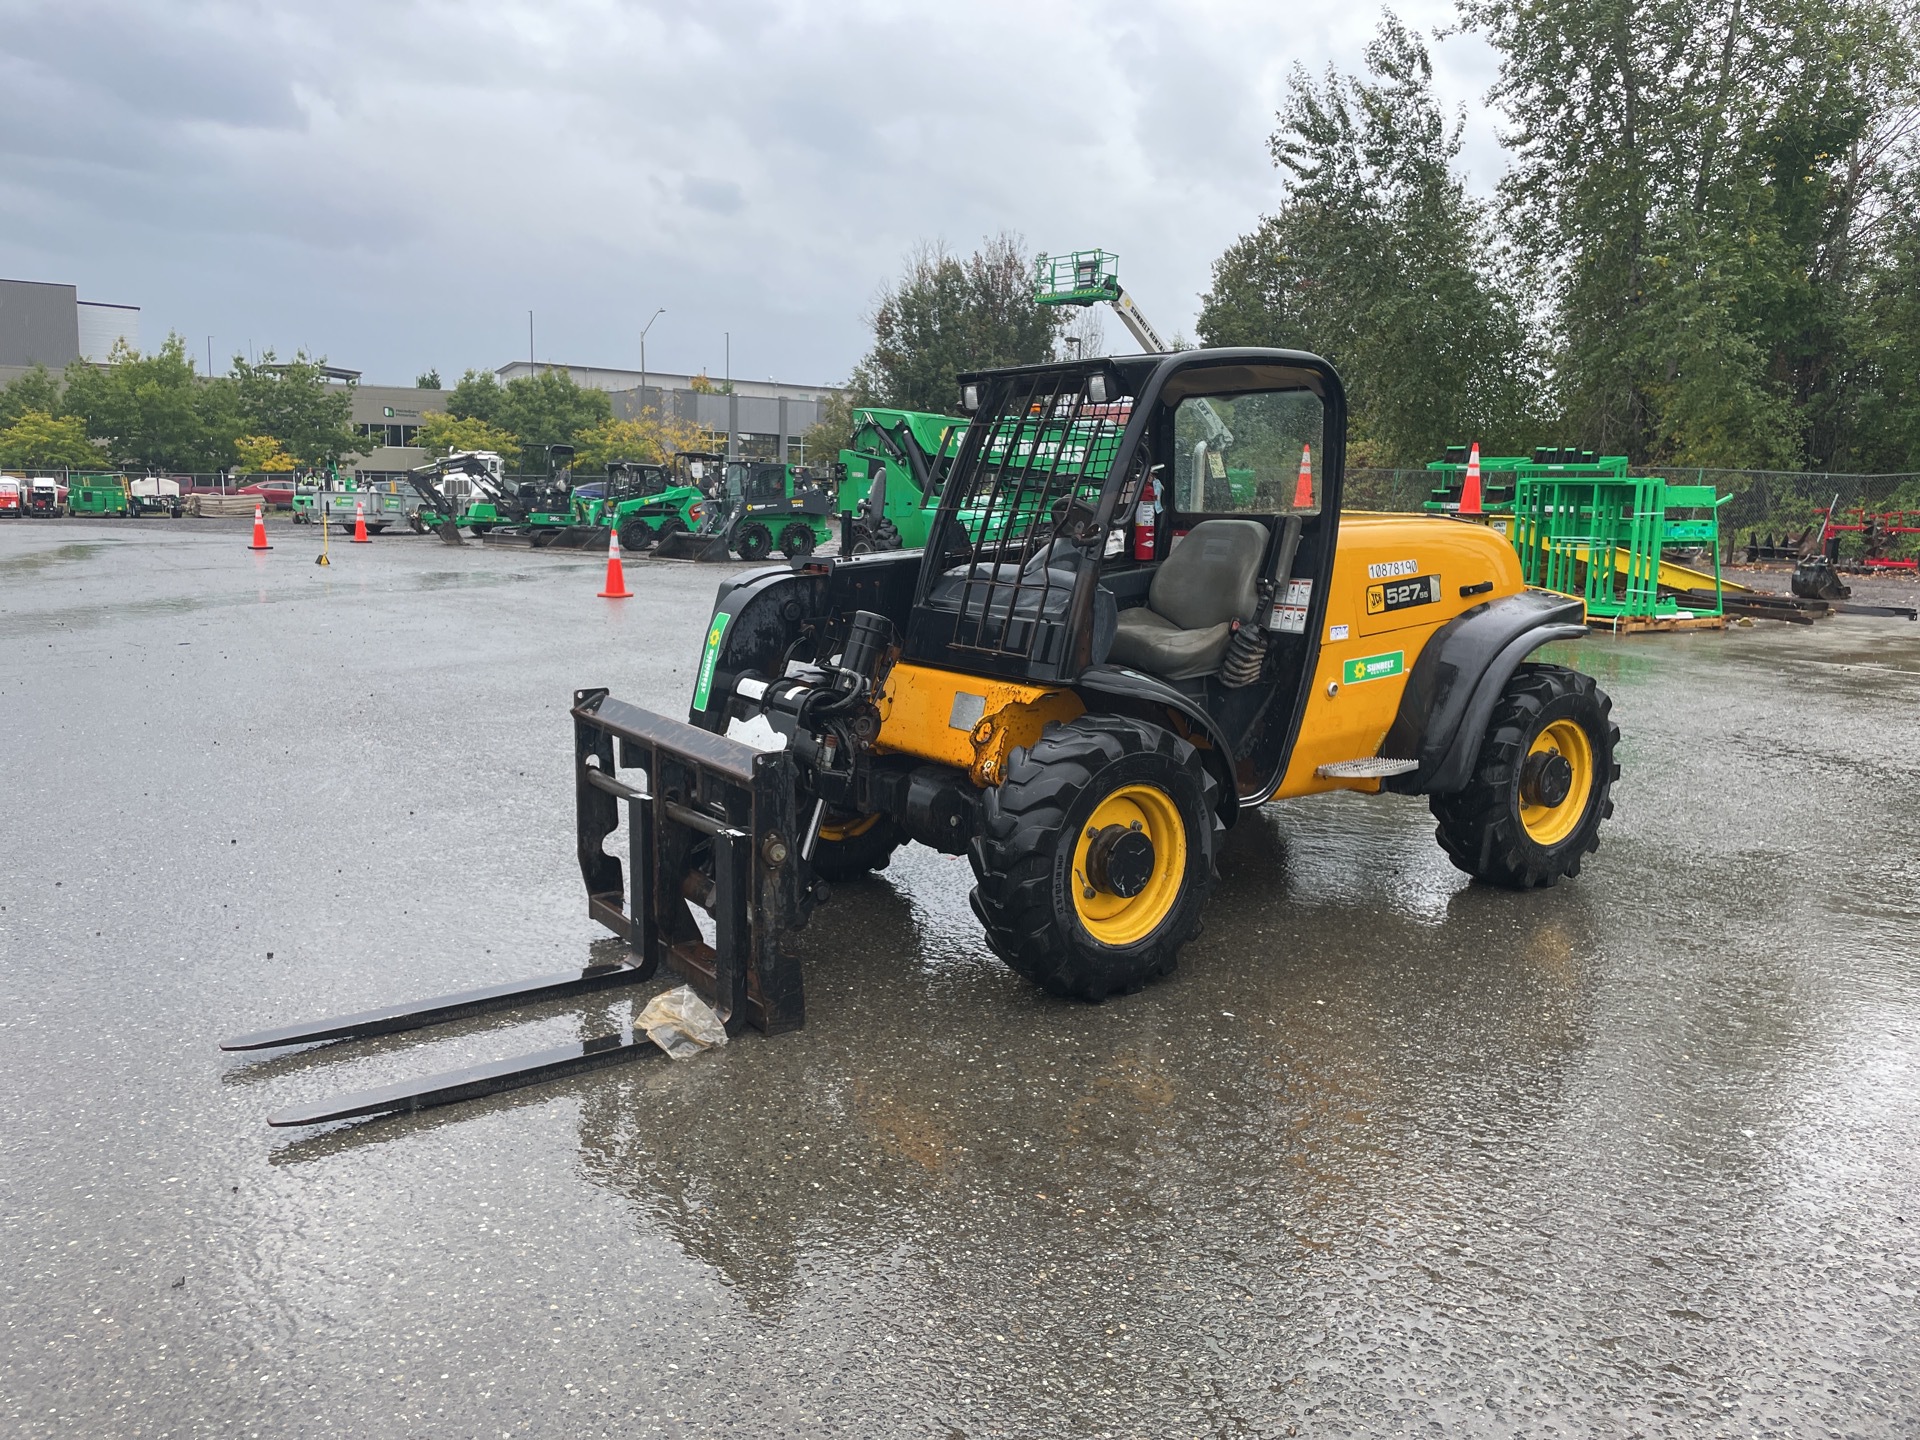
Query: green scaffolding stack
[1598, 533]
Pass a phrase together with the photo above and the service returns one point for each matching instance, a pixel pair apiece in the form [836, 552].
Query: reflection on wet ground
[1391, 1154]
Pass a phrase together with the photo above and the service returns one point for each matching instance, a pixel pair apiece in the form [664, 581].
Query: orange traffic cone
[616, 577]
[259, 530]
[360, 522]
[1303, 492]
[1470, 490]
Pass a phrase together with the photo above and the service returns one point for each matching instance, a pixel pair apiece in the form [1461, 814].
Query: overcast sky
[395, 185]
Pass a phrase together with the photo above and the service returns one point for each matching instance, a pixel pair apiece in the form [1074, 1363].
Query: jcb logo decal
[1403, 594]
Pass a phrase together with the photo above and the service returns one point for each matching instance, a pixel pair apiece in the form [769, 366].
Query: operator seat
[1207, 583]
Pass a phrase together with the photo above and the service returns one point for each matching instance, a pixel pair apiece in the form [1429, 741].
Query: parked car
[10, 502]
[277, 492]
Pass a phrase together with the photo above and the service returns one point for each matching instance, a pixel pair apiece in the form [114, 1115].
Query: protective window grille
[1031, 474]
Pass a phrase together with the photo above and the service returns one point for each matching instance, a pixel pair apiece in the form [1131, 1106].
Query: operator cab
[1144, 524]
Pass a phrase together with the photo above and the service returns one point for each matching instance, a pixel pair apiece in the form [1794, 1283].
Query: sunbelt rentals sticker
[1372, 667]
[716, 632]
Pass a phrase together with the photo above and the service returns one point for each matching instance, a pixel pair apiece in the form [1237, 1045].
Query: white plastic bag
[681, 1023]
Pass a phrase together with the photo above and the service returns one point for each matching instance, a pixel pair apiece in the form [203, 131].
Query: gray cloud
[396, 184]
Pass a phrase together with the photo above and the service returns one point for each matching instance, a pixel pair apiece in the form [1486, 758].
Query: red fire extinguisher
[1143, 521]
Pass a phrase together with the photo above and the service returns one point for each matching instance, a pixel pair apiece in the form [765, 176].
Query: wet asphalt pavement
[1391, 1154]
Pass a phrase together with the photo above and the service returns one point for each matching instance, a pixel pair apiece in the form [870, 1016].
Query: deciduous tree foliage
[152, 410]
[476, 397]
[1705, 251]
[649, 438]
[1707, 191]
[262, 455]
[36, 438]
[292, 402]
[443, 434]
[532, 411]
[1378, 259]
[946, 315]
[822, 441]
[35, 390]
[551, 409]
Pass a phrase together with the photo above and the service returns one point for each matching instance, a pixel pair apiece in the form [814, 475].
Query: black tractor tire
[1028, 854]
[636, 537]
[672, 525]
[1544, 712]
[753, 542]
[479, 530]
[886, 536]
[848, 848]
[796, 541]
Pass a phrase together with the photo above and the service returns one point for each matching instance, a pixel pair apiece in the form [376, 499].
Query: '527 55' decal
[1402, 594]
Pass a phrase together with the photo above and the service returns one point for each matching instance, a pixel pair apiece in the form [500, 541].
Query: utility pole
[643, 351]
[209, 357]
[733, 410]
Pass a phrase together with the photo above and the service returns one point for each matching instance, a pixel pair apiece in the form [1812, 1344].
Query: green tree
[427, 380]
[1377, 258]
[822, 441]
[39, 439]
[443, 434]
[945, 316]
[293, 402]
[37, 390]
[550, 408]
[1699, 186]
[153, 410]
[1889, 324]
[649, 437]
[478, 396]
[262, 455]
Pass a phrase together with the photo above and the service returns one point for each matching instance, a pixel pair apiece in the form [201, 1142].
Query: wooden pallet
[1650, 624]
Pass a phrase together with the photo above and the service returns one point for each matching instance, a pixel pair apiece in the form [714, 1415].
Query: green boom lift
[892, 468]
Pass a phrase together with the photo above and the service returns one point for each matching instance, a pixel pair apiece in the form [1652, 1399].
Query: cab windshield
[1245, 453]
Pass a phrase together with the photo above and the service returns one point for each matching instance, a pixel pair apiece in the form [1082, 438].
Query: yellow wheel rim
[1550, 824]
[1125, 920]
[847, 829]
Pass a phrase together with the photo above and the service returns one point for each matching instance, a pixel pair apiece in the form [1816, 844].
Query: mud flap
[710, 823]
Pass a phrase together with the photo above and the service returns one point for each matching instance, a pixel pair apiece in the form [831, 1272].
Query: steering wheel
[1073, 519]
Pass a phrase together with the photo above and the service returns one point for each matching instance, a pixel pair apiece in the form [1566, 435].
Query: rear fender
[1458, 678]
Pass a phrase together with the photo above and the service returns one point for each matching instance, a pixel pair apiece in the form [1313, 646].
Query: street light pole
[643, 351]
